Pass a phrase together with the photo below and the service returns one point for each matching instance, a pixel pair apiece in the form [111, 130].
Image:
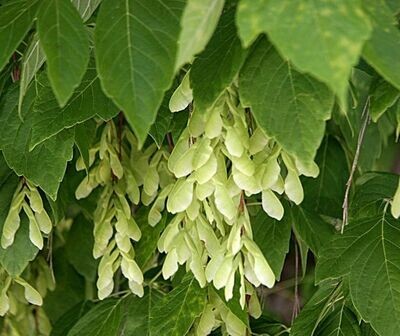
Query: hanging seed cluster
[218, 161]
[121, 171]
[27, 198]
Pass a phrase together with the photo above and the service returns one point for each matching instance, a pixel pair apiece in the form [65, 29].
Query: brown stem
[360, 140]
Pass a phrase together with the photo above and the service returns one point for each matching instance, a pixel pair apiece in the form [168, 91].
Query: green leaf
[15, 258]
[366, 330]
[314, 311]
[16, 18]
[70, 287]
[307, 33]
[215, 68]
[164, 118]
[86, 7]
[85, 134]
[79, 246]
[147, 245]
[372, 192]
[135, 55]
[88, 100]
[104, 319]
[138, 312]
[67, 321]
[273, 237]
[383, 96]
[313, 230]
[270, 86]
[176, 312]
[324, 194]
[341, 322]
[382, 50]
[32, 61]
[198, 23]
[66, 45]
[368, 253]
[45, 165]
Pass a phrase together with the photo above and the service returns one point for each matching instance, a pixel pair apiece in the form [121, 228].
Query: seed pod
[35, 235]
[35, 200]
[30, 293]
[158, 206]
[151, 181]
[182, 96]
[222, 274]
[234, 326]
[207, 235]
[170, 266]
[271, 173]
[271, 204]
[180, 197]
[214, 265]
[293, 187]
[224, 202]
[395, 209]
[233, 142]
[204, 190]
[130, 269]
[206, 322]
[4, 303]
[44, 221]
[10, 228]
[213, 126]
[234, 243]
[136, 288]
[258, 141]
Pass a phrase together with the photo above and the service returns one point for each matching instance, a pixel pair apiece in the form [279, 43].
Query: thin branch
[345, 206]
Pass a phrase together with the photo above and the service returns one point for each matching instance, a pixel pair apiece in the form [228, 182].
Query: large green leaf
[15, 258]
[66, 45]
[272, 87]
[382, 50]
[368, 252]
[383, 96]
[341, 322]
[273, 237]
[314, 311]
[321, 37]
[136, 55]
[88, 100]
[138, 312]
[216, 67]
[46, 164]
[198, 23]
[325, 193]
[16, 18]
[176, 312]
[103, 320]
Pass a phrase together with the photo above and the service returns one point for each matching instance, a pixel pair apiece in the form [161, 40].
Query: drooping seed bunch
[219, 160]
[121, 170]
[27, 198]
[216, 314]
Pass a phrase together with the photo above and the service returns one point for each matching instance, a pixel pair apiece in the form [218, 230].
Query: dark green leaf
[65, 44]
[313, 230]
[383, 97]
[176, 312]
[70, 287]
[67, 321]
[85, 134]
[79, 246]
[147, 245]
[45, 165]
[307, 33]
[270, 86]
[136, 55]
[325, 193]
[88, 100]
[273, 237]
[16, 18]
[216, 67]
